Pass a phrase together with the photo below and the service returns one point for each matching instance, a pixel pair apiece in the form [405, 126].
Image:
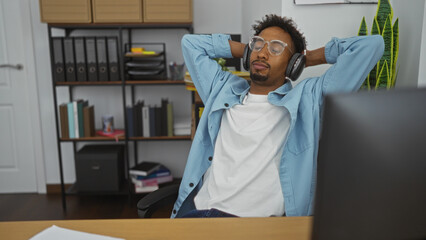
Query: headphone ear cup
[295, 66]
[246, 58]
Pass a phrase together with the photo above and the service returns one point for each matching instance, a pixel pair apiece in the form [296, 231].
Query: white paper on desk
[55, 233]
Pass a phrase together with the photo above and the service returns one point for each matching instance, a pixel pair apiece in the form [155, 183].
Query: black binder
[80, 59]
[114, 73]
[58, 59]
[69, 59]
[92, 63]
[102, 58]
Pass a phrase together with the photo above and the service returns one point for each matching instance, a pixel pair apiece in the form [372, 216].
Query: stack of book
[77, 119]
[147, 176]
[150, 121]
[182, 126]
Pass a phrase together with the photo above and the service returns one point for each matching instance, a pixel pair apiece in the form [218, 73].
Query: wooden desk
[208, 228]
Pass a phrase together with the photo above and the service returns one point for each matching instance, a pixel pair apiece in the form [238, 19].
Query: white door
[17, 160]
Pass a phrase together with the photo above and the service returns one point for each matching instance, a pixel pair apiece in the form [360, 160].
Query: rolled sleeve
[221, 46]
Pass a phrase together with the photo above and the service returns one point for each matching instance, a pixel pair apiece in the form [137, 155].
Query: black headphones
[294, 68]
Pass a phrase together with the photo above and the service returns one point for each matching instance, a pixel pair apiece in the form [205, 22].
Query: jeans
[211, 213]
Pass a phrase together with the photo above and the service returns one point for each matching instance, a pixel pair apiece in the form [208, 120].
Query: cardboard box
[114, 11]
[171, 11]
[65, 11]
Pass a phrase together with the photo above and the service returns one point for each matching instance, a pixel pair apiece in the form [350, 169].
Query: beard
[255, 77]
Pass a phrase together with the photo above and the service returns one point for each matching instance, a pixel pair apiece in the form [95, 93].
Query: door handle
[16, 66]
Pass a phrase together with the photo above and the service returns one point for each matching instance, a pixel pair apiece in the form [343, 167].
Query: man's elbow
[186, 41]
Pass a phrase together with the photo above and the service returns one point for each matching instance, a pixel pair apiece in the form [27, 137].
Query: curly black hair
[287, 24]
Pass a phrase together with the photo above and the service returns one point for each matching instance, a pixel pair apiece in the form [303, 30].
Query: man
[254, 153]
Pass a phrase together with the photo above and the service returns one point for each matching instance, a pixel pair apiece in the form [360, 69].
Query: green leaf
[374, 72]
[394, 77]
[395, 50]
[383, 80]
[384, 9]
[375, 29]
[363, 28]
[387, 35]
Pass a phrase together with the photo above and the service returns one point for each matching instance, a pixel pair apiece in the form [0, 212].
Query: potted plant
[385, 72]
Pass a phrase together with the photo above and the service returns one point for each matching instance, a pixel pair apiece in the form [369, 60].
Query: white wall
[411, 21]
[218, 16]
[422, 62]
[320, 23]
[254, 11]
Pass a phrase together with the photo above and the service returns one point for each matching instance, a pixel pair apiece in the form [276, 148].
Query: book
[80, 105]
[164, 116]
[63, 113]
[169, 119]
[71, 130]
[115, 134]
[152, 181]
[144, 168]
[89, 121]
[161, 172]
[158, 118]
[130, 122]
[145, 189]
[145, 121]
[152, 123]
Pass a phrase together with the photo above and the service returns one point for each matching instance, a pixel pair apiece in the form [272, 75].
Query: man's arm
[352, 59]
[198, 52]
[237, 49]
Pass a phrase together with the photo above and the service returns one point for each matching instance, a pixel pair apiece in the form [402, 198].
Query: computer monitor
[371, 181]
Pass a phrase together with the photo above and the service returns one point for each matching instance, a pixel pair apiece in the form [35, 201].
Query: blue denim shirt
[352, 59]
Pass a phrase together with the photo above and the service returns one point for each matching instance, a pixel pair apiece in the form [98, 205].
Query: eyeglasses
[275, 47]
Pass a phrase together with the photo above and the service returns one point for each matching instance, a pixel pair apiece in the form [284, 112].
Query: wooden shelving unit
[122, 84]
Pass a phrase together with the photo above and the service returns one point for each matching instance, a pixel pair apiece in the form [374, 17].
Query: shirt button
[226, 105]
[191, 184]
[210, 158]
[174, 211]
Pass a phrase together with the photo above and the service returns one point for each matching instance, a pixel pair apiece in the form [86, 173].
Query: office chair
[158, 203]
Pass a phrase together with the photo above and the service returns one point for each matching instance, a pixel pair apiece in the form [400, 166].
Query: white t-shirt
[243, 178]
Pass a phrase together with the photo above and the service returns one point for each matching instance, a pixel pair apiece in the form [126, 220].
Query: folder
[69, 59]
[58, 59]
[102, 58]
[114, 73]
[92, 63]
[80, 59]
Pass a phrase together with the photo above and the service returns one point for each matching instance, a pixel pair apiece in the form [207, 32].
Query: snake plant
[385, 72]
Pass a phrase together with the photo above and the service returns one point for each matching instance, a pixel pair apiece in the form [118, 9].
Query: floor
[27, 207]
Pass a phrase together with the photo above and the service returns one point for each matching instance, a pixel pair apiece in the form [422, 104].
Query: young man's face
[267, 69]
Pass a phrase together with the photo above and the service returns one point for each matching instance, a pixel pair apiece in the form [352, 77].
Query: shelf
[154, 82]
[88, 83]
[160, 138]
[141, 55]
[127, 82]
[121, 138]
[120, 25]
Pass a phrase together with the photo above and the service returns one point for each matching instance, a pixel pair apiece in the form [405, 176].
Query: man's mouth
[259, 66]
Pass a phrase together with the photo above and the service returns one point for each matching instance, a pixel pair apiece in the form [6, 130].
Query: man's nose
[263, 53]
